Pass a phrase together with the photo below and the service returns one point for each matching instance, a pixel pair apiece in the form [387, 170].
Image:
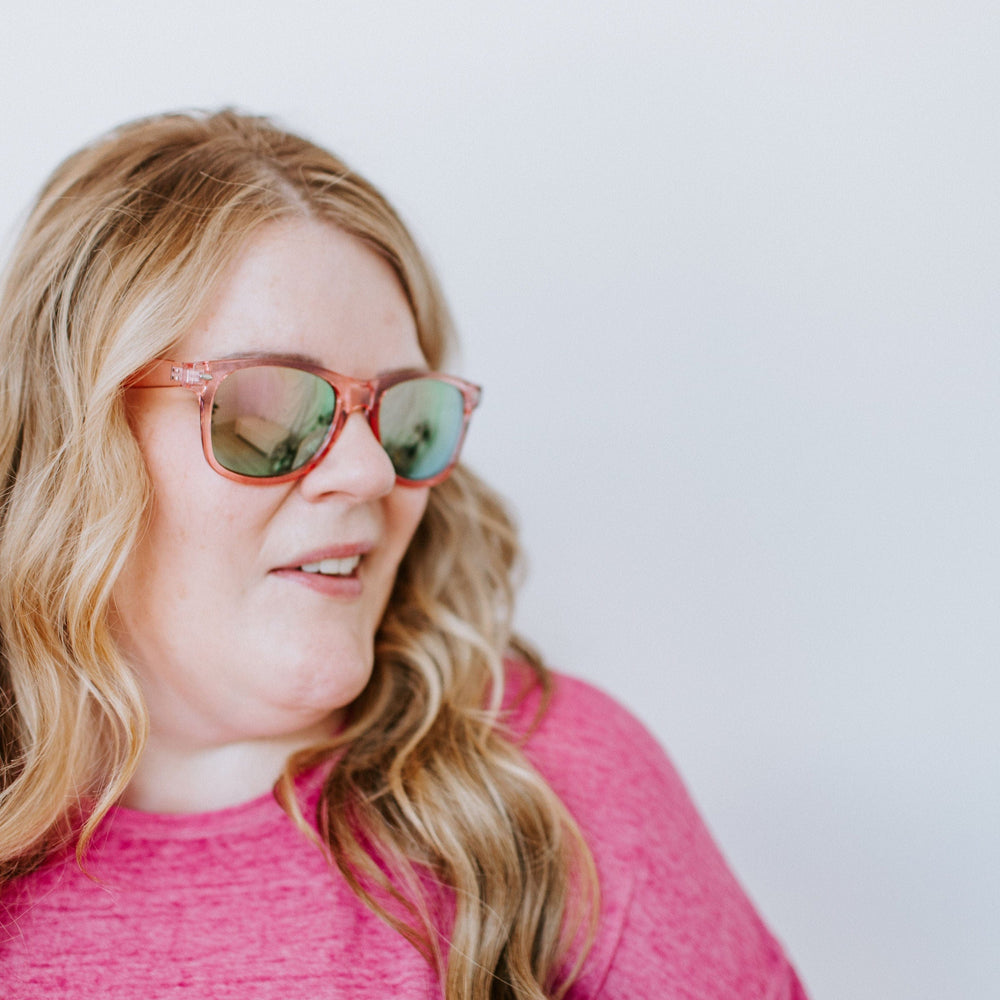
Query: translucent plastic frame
[352, 395]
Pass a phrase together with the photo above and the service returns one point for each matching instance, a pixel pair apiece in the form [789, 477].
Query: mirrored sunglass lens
[420, 426]
[270, 420]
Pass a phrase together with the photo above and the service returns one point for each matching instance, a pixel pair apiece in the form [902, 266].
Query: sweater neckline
[252, 814]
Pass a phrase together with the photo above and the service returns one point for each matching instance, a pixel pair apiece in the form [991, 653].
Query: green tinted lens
[420, 425]
[269, 420]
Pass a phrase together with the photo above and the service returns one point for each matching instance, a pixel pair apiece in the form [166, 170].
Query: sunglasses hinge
[188, 376]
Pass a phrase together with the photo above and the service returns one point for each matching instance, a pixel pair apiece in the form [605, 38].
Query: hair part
[108, 274]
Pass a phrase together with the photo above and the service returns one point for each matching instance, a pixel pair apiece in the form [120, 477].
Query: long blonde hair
[115, 262]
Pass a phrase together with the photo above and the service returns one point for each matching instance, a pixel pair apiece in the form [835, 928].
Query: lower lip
[329, 586]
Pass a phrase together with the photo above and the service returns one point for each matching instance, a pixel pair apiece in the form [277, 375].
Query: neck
[185, 779]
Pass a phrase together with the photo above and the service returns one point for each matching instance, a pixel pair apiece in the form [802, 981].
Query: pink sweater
[238, 904]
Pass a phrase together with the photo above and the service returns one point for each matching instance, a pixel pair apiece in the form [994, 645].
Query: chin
[328, 681]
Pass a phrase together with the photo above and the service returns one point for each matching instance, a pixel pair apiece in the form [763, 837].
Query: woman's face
[230, 638]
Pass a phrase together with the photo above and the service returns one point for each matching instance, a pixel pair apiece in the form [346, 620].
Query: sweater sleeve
[674, 921]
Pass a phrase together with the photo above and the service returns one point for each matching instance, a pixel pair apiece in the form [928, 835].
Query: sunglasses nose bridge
[355, 396]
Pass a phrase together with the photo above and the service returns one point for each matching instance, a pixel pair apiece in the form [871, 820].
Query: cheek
[407, 507]
[403, 510]
[196, 526]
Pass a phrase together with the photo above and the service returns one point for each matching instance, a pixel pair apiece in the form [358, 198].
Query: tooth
[333, 567]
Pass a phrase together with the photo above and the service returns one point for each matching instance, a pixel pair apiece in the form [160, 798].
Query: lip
[329, 586]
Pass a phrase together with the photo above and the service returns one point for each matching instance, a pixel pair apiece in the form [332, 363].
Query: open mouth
[333, 567]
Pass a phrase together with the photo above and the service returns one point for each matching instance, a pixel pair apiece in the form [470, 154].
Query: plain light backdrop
[729, 273]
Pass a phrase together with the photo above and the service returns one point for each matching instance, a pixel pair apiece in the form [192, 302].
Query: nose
[355, 465]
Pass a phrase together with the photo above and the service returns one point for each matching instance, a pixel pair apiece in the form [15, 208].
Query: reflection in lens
[269, 420]
[420, 425]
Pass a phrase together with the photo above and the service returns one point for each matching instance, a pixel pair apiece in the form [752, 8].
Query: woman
[266, 731]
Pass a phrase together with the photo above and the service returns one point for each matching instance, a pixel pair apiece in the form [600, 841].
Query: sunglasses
[270, 420]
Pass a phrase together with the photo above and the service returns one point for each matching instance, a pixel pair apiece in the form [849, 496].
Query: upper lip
[328, 552]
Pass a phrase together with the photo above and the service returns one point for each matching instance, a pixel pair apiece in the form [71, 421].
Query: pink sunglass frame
[352, 395]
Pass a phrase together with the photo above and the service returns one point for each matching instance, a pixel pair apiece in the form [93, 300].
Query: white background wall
[729, 273]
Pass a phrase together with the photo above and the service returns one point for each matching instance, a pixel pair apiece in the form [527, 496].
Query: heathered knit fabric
[237, 904]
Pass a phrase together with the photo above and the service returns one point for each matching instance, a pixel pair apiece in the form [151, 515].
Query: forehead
[307, 288]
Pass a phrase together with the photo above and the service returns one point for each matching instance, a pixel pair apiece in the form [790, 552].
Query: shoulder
[593, 751]
[674, 919]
